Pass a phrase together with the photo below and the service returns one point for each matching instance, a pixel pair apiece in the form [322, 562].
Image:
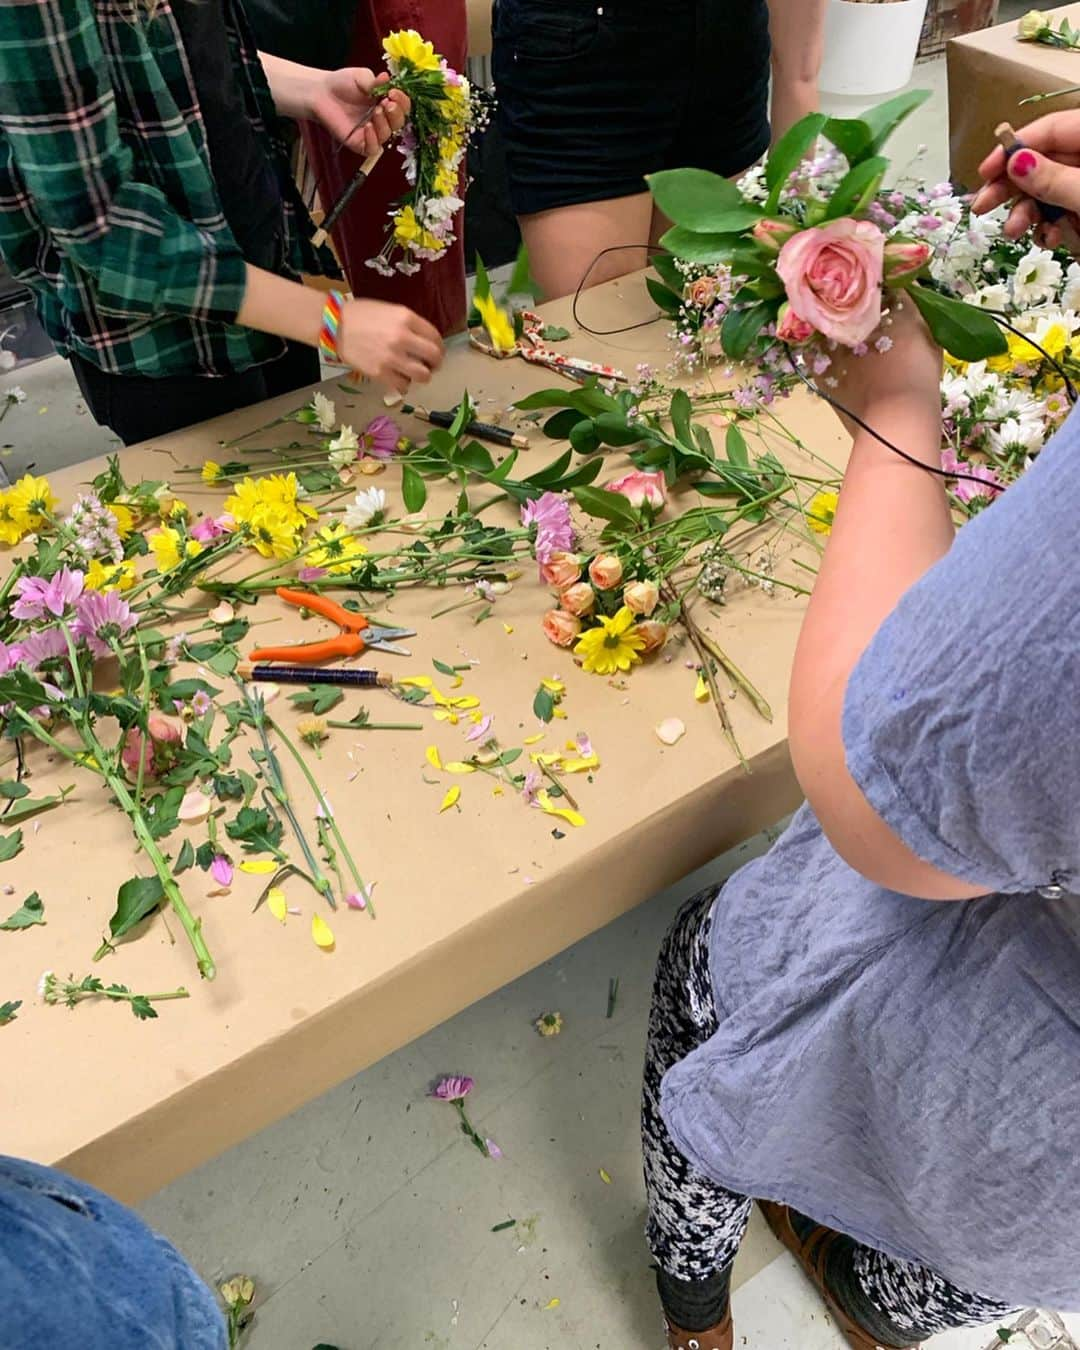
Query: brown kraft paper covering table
[989, 73]
[130, 1105]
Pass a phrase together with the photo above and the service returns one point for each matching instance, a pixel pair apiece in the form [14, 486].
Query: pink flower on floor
[201, 703]
[454, 1088]
[102, 618]
[641, 489]
[159, 750]
[833, 277]
[211, 528]
[39, 596]
[38, 648]
[9, 657]
[221, 869]
[311, 573]
[380, 437]
[550, 513]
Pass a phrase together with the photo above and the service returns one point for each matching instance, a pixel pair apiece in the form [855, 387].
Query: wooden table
[467, 900]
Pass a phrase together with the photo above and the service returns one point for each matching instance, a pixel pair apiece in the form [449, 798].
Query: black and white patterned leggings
[695, 1226]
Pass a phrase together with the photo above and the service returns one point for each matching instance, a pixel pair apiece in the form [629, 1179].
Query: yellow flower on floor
[124, 517]
[12, 527]
[408, 45]
[334, 548]
[279, 492]
[613, 646]
[822, 511]
[212, 472]
[274, 532]
[31, 501]
[165, 546]
[110, 576]
[176, 510]
[497, 322]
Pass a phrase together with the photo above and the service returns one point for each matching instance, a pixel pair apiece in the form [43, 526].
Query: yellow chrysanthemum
[12, 526]
[446, 180]
[110, 576]
[165, 546]
[31, 501]
[612, 647]
[407, 45]
[193, 548]
[278, 491]
[822, 511]
[334, 548]
[176, 510]
[211, 472]
[274, 531]
[124, 517]
[407, 229]
[498, 324]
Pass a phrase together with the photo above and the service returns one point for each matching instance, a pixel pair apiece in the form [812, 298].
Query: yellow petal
[496, 792]
[320, 932]
[584, 764]
[458, 682]
[701, 689]
[459, 766]
[604, 1177]
[275, 900]
[259, 867]
[464, 701]
[440, 698]
[552, 1304]
[545, 760]
[571, 817]
[476, 717]
[554, 686]
[560, 713]
[508, 628]
[417, 681]
[432, 754]
[533, 740]
[571, 745]
[444, 715]
[451, 799]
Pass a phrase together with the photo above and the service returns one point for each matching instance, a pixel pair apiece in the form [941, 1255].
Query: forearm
[892, 524]
[285, 308]
[797, 29]
[293, 86]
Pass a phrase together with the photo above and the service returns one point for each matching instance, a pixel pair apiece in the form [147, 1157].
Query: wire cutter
[357, 633]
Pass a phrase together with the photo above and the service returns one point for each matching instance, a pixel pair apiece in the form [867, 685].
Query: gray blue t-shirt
[908, 1071]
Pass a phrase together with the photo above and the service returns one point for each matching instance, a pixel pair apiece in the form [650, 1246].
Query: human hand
[389, 342]
[343, 98]
[1047, 170]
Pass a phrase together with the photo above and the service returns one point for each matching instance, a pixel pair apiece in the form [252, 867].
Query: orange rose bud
[642, 597]
[606, 571]
[579, 599]
[561, 628]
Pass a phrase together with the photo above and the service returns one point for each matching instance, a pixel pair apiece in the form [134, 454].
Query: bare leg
[564, 244]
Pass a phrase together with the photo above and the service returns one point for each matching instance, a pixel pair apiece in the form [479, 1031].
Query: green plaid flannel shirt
[108, 209]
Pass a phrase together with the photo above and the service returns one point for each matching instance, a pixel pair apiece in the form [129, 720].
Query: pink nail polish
[1022, 163]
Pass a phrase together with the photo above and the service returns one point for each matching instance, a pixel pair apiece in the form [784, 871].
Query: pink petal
[481, 729]
[195, 807]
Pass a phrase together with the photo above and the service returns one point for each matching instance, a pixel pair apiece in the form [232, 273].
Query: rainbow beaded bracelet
[331, 328]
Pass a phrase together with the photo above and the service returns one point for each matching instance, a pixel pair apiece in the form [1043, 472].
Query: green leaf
[509, 757]
[413, 489]
[614, 429]
[858, 138]
[229, 787]
[223, 662]
[142, 1007]
[857, 188]
[521, 278]
[681, 412]
[700, 248]
[607, 506]
[742, 326]
[962, 330]
[788, 153]
[559, 426]
[735, 444]
[474, 458]
[666, 299]
[552, 473]
[667, 269]
[585, 438]
[13, 790]
[502, 469]
[10, 845]
[544, 704]
[551, 332]
[8, 1011]
[135, 900]
[483, 284]
[502, 1227]
[256, 830]
[29, 913]
[316, 699]
[186, 858]
[696, 199]
[31, 806]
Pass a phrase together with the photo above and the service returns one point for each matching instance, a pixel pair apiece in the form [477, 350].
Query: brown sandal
[812, 1255]
[720, 1337]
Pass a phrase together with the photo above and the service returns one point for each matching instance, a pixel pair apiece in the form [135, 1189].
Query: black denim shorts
[595, 94]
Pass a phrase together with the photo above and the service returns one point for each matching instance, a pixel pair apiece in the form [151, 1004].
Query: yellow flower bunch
[407, 47]
[271, 513]
[334, 549]
[24, 508]
[170, 548]
[110, 576]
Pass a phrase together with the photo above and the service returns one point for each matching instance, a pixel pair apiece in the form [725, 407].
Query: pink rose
[702, 291]
[159, 750]
[790, 328]
[773, 234]
[642, 597]
[833, 276]
[579, 599]
[641, 489]
[605, 571]
[654, 633]
[561, 628]
[561, 570]
[905, 257]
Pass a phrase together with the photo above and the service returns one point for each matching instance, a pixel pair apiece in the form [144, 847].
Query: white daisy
[1018, 434]
[346, 439]
[1038, 275]
[325, 412]
[366, 508]
[1070, 298]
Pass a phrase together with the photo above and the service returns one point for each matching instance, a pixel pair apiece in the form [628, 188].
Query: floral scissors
[357, 633]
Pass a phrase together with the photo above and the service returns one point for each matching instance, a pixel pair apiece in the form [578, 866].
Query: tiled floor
[368, 1221]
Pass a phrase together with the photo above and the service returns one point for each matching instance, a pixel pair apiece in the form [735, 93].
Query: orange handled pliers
[349, 641]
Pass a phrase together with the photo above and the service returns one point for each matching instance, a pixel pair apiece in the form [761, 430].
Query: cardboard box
[989, 74]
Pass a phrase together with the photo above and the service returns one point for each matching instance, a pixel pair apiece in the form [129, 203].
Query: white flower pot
[870, 49]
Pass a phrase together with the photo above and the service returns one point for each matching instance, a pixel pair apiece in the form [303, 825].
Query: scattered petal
[444, 715]
[320, 932]
[571, 817]
[451, 799]
[432, 756]
[554, 686]
[508, 628]
[459, 766]
[534, 740]
[560, 713]
[275, 901]
[358, 899]
[604, 1177]
[701, 689]
[583, 764]
[465, 701]
[481, 729]
[584, 745]
[496, 792]
[417, 681]
[670, 730]
[194, 808]
[223, 613]
[493, 1150]
[546, 759]
[551, 1304]
[259, 867]
[266, 692]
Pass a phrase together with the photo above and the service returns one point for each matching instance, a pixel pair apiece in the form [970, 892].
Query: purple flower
[207, 530]
[9, 657]
[311, 573]
[102, 618]
[221, 869]
[550, 514]
[38, 648]
[39, 596]
[884, 343]
[380, 437]
[534, 780]
[454, 1088]
[493, 1150]
[201, 703]
[481, 729]
[356, 900]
